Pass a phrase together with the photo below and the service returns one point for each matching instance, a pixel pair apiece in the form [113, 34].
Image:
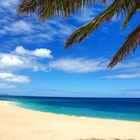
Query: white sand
[21, 124]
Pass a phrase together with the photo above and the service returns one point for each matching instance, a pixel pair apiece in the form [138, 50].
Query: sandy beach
[22, 124]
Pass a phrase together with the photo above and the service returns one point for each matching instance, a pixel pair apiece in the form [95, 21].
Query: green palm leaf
[132, 41]
[117, 7]
[130, 14]
[47, 8]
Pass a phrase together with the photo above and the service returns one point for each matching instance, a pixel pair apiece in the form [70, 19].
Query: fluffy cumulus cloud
[10, 62]
[43, 53]
[22, 59]
[78, 65]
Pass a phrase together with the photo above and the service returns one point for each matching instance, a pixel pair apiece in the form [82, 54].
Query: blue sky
[33, 60]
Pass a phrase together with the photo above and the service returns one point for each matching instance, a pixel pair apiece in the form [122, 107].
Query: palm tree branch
[47, 8]
[130, 45]
[117, 7]
[129, 15]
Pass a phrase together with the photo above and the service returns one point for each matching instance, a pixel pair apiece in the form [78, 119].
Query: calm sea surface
[109, 108]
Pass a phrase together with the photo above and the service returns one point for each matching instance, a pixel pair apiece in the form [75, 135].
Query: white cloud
[123, 76]
[18, 27]
[131, 64]
[77, 65]
[124, 70]
[87, 14]
[20, 50]
[42, 52]
[65, 29]
[128, 69]
[30, 30]
[9, 5]
[5, 86]
[7, 60]
[9, 77]
[22, 59]
[12, 62]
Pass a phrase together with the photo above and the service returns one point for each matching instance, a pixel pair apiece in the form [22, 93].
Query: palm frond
[130, 14]
[117, 7]
[131, 43]
[46, 8]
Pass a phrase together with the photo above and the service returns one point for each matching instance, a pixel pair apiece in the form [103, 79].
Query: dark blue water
[110, 108]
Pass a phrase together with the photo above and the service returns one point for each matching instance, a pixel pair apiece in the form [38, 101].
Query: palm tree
[46, 8]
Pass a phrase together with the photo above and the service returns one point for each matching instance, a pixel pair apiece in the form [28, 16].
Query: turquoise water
[109, 108]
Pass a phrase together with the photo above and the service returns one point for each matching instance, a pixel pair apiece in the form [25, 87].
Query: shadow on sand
[106, 139]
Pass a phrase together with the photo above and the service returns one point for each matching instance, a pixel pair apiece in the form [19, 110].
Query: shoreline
[16, 120]
[63, 114]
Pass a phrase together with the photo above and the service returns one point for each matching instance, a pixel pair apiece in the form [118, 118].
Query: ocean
[107, 108]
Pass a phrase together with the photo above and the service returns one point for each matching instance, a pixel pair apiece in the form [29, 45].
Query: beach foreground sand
[22, 124]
